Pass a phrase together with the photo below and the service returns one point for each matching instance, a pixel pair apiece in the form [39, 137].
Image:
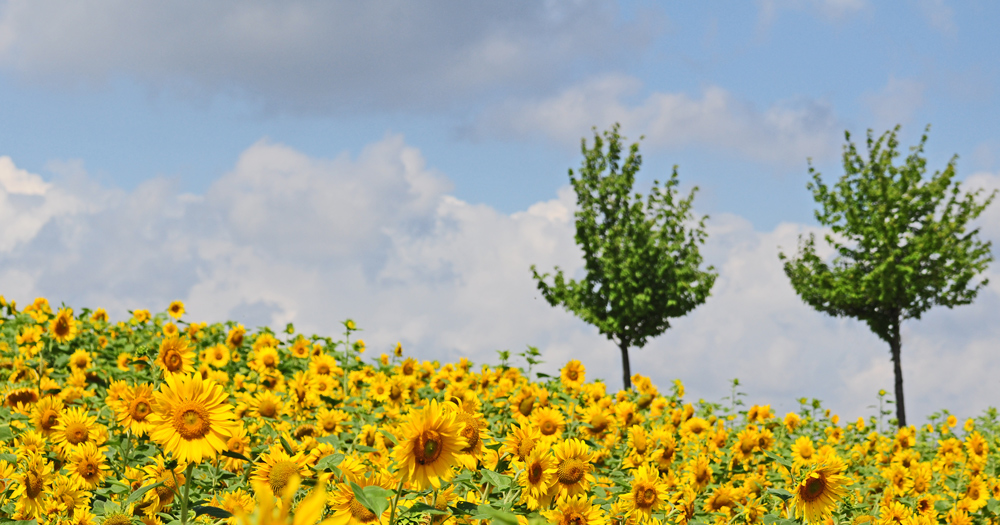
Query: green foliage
[907, 248]
[641, 260]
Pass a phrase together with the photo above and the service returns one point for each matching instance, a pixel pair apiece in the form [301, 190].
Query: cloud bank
[785, 133]
[284, 237]
[309, 56]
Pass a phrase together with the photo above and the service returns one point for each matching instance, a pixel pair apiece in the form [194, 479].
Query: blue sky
[305, 161]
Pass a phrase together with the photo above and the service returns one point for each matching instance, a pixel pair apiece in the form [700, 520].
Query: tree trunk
[623, 345]
[895, 345]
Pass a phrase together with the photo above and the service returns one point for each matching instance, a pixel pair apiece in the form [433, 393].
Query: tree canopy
[641, 260]
[908, 248]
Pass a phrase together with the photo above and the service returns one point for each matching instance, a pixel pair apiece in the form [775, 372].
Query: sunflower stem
[395, 501]
[187, 493]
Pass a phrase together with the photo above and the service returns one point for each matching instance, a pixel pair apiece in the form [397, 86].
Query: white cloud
[896, 103]
[785, 133]
[306, 56]
[284, 237]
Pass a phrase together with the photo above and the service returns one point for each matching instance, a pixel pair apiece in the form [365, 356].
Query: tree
[641, 262]
[910, 252]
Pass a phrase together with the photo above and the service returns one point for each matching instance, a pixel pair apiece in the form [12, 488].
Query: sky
[404, 164]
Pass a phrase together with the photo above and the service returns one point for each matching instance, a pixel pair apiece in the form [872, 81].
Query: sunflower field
[156, 420]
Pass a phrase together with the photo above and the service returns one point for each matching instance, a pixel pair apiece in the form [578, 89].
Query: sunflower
[176, 309]
[803, 452]
[80, 360]
[521, 441]
[162, 496]
[237, 502]
[333, 421]
[576, 511]
[266, 358]
[301, 348]
[100, 315]
[63, 326]
[648, 493]
[76, 426]
[32, 488]
[30, 441]
[235, 337]
[69, 494]
[324, 365]
[87, 466]
[191, 417]
[276, 469]
[819, 491]
[140, 316]
[123, 360]
[538, 476]
[699, 472]
[430, 441]
[574, 468]
[217, 356]
[347, 510]
[135, 408]
[474, 427]
[573, 374]
[549, 421]
[597, 421]
[267, 404]
[45, 414]
[723, 499]
[238, 443]
[176, 356]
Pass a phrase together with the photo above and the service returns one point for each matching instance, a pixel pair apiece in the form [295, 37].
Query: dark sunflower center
[549, 427]
[76, 434]
[88, 470]
[535, 473]
[33, 484]
[267, 409]
[812, 488]
[575, 518]
[140, 409]
[645, 496]
[62, 327]
[304, 431]
[174, 361]
[471, 433]
[192, 421]
[598, 424]
[360, 512]
[280, 473]
[526, 405]
[49, 419]
[428, 447]
[572, 375]
[571, 471]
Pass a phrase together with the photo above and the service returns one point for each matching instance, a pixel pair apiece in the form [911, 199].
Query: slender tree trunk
[623, 345]
[896, 345]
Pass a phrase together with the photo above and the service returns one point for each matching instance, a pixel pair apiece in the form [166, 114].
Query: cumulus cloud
[784, 133]
[305, 55]
[284, 237]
